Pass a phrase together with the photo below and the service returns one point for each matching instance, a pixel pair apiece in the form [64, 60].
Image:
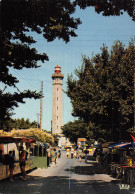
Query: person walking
[80, 155]
[72, 152]
[67, 153]
[22, 160]
[55, 156]
[86, 154]
[59, 152]
[77, 155]
[48, 156]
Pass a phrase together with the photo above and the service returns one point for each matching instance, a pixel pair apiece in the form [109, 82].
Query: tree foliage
[102, 93]
[74, 130]
[110, 7]
[31, 133]
[19, 124]
[18, 19]
[56, 139]
[8, 101]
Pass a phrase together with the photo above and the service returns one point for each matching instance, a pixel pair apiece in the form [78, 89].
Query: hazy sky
[92, 33]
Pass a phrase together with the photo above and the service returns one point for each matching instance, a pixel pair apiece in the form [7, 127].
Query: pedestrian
[55, 156]
[77, 155]
[72, 152]
[59, 152]
[86, 154]
[48, 156]
[22, 159]
[11, 164]
[67, 153]
[80, 155]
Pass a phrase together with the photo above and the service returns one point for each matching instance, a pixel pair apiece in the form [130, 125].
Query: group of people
[76, 153]
[73, 152]
[54, 154]
[22, 162]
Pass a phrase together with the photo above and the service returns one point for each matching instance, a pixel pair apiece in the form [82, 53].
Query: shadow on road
[90, 168]
[91, 157]
[64, 184]
[86, 170]
[58, 185]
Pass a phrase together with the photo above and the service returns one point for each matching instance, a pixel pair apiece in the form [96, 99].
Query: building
[81, 142]
[57, 105]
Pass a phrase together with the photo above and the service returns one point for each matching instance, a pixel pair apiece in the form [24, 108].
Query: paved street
[68, 177]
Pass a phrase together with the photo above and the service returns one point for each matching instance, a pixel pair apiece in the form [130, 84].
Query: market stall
[8, 143]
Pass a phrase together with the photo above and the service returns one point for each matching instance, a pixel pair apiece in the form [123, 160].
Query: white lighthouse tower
[57, 104]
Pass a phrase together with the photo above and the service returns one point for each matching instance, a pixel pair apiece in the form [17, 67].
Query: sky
[92, 33]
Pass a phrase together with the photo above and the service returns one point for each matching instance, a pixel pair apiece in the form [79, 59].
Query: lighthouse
[57, 104]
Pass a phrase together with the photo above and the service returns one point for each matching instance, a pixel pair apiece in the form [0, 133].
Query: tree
[51, 18]
[102, 94]
[109, 7]
[18, 19]
[41, 136]
[19, 124]
[56, 139]
[8, 101]
[74, 130]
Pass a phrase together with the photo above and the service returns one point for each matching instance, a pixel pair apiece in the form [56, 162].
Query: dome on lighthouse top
[57, 69]
[57, 73]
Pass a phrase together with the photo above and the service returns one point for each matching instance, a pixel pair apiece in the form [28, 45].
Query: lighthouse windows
[57, 107]
[57, 98]
[57, 117]
[57, 89]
